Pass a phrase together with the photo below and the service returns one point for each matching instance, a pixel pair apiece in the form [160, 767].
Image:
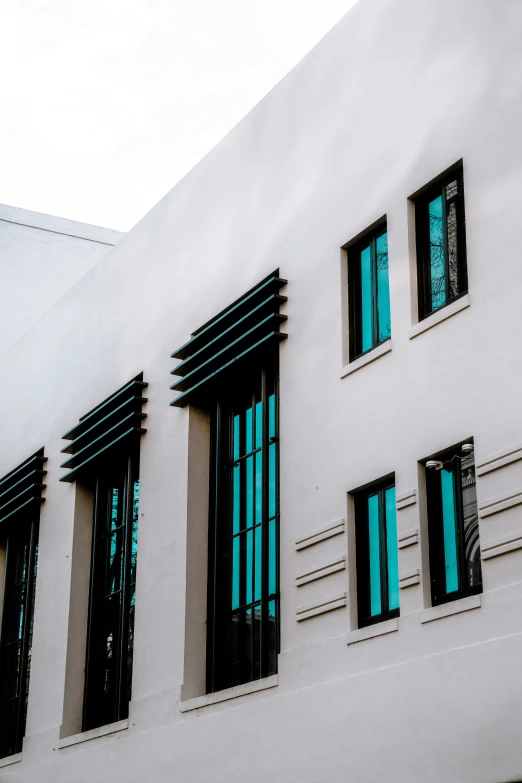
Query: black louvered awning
[249, 325]
[21, 489]
[107, 426]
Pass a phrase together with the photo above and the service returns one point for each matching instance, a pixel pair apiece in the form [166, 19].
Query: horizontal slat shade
[250, 325]
[21, 489]
[117, 418]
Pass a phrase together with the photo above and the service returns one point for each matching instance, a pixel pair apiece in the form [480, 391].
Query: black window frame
[436, 553]
[360, 498]
[355, 292]
[121, 470]
[422, 234]
[223, 669]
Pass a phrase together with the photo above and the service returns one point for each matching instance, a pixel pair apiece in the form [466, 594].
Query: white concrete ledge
[500, 503]
[409, 578]
[406, 499]
[8, 760]
[320, 607]
[439, 315]
[500, 459]
[367, 358]
[451, 608]
[371, 631]
[501, 546]
[332, 529]
[101, 731]
[318, 572]
[408, 538]
[229, 693]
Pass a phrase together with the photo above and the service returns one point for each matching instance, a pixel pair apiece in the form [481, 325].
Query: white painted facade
[41, 257]
[396, 93]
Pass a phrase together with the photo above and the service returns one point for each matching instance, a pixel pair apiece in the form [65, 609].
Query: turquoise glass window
[369, 293]
[377, 555]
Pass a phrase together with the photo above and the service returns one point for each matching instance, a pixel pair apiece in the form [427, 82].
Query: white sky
[106, 104]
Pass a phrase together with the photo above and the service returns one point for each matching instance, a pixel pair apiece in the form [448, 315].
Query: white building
[381, 637]
[41, 257]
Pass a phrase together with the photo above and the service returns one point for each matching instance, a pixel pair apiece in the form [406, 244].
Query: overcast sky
[106, 104]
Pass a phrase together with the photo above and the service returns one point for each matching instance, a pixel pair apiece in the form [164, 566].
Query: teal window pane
[375, 555]
[236, 571]
[383, 288]
[248, 430]
[450, 531]
[115, 509]
[272, 609]
[249, 565]
[392, 549]
[249, 491]
[272, 557]
[134, 543]
[272, 487]
[271, 416]
[236, 437]
[258, 564]
[437, 264]
[236, 499]
[366, 300]
[259, 487]
[259, 425]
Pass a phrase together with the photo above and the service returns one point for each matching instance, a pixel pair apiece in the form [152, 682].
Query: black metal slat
[22, 487]
[104, 407]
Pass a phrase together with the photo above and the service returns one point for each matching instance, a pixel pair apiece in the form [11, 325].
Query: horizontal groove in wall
[409, 578]
[406, 499]
[501, 546]
[500, 459]
[318, 572]
[501, 502]
[408, 538]
[328, 531]
[320, 607]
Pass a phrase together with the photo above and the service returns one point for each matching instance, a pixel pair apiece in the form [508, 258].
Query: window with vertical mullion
[376, 555]
[369, 293]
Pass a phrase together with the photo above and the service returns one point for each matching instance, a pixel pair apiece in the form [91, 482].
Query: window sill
[8, 760]
[452, 607]
[371, 356]
[101, 731]
[371, 631]
[229, 693]
[440, 315]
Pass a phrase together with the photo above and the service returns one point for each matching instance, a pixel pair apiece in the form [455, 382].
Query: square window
[453, 528]
[377, 554]
[441, 244]
[369, 292]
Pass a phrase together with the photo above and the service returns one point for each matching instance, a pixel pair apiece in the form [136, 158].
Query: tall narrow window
[112, 598]
[377, 555]
[369, 293]
[244, 594]
[20, 498]
[454, 543]
[441, 244]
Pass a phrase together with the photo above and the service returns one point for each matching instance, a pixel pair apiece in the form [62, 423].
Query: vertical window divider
[264, 525]
[383, 538]
[127, 517]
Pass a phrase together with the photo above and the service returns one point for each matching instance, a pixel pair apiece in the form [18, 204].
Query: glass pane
[375, 555]
[256, 619]
[235, 449]
[134, 543]
[259, 486]
[272, 637]
[383, 287]
[236, 499]
[258, 563]
[259, 425]
[451, 233]
[249, 491]
[272, 484]
[248, 431]
[473, 574]
[11, 665]
[271, 416]
[272, 557]
[116, 561]
[450, 531]
[112, 617]
[437, 271]
[392, 547]
[236, 571]
[115, 519]
[249, 565]
[366, 300]
[14, 614]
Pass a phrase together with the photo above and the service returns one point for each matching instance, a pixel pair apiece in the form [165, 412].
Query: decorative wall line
[318, 572]
[320, 607]
[408, 538]
[330, 530]
[500, 459]
[406, 499]
[409, 578]
[501, 502]
[500, 546]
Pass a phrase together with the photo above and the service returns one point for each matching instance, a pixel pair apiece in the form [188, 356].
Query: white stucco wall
[41, 257]
[396, 93]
